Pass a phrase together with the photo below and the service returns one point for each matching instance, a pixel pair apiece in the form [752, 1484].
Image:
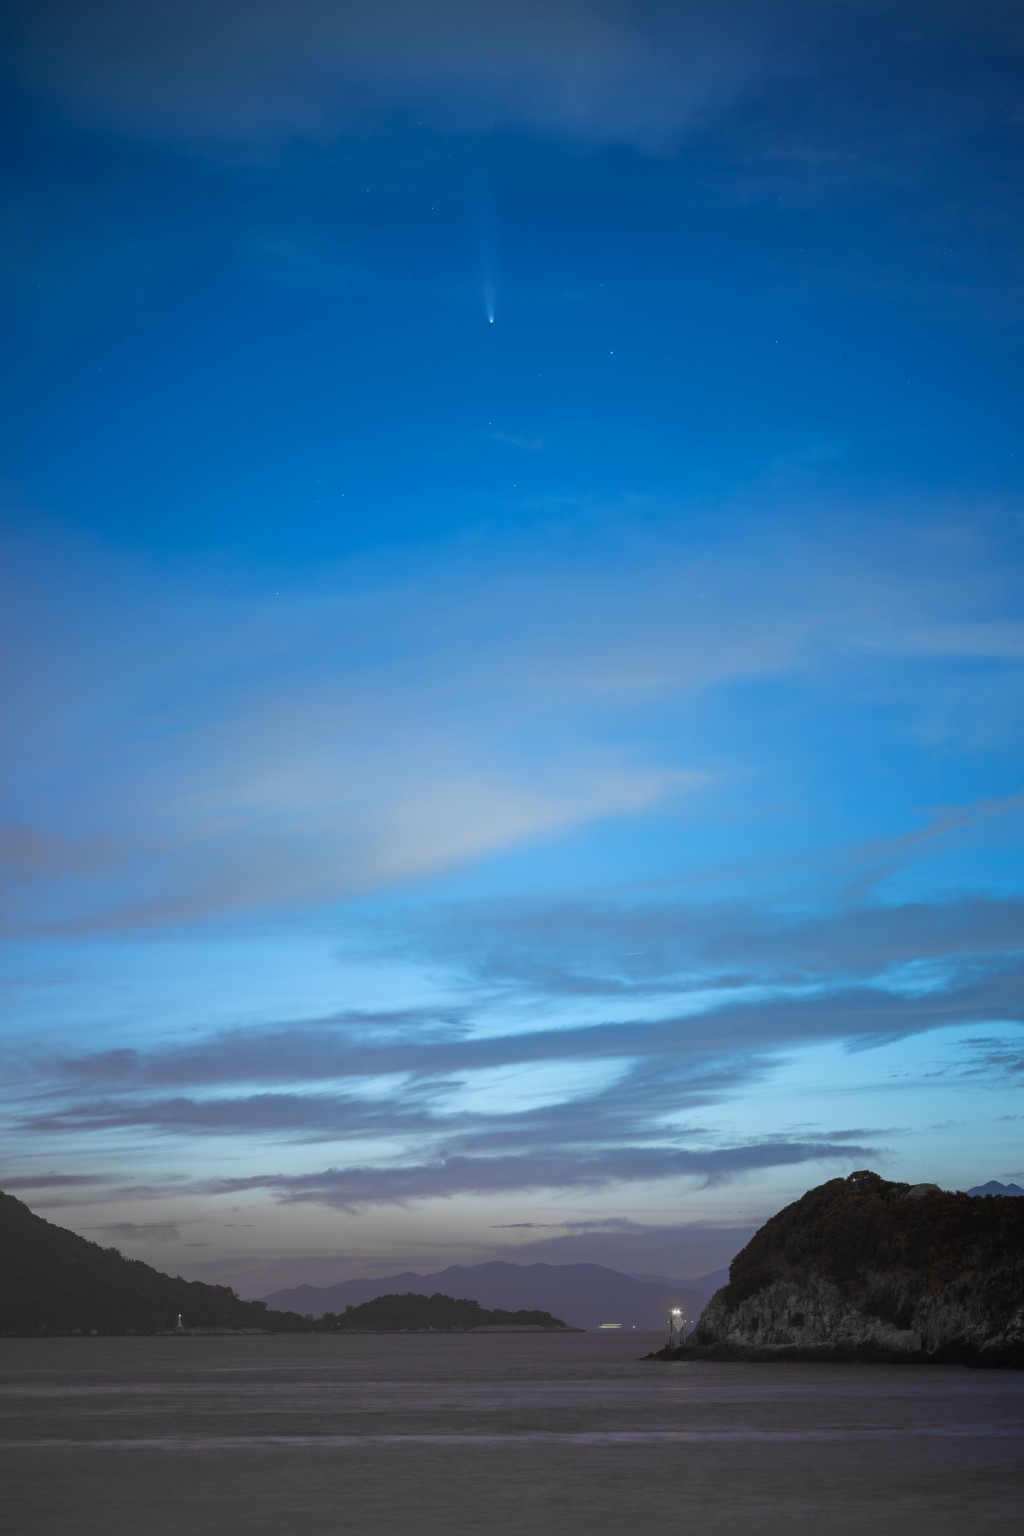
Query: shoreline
[285, 1333]
[869, 1353]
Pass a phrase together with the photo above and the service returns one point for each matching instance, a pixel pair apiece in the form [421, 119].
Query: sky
[513, 653]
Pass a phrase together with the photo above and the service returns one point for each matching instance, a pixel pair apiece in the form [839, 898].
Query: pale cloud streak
[185, 748]
[352, 1188]
[254, 73]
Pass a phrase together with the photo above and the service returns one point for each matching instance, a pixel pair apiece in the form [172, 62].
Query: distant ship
[609, 1325]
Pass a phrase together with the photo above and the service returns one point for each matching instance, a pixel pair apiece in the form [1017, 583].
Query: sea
[474, 1435]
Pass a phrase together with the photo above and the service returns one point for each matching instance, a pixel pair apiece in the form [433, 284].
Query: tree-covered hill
[53, 1281]
[411, 1313]
[849, 1229]
[866, 1268]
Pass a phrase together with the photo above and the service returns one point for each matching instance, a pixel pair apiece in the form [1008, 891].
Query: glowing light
[489, 302]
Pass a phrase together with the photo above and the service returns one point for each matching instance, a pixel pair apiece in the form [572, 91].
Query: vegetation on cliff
[412, 1313]
[53, 1281]
[865, 1268]
[865, 1226]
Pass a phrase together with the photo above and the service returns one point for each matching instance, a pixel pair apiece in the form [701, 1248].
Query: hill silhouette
[865, 1268]
[586, 1295]
[436, 1314]
[53, 1281]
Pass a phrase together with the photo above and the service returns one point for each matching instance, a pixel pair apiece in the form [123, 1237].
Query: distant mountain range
[705, 1285]
[585, 1295]
[993, 1187]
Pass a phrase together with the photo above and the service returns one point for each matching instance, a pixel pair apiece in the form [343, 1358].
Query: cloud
[598, 1224]
[655, 947]
[397, 1090]
[290, 750]
[413, 1081]
[427, 1111]
[712, 1041]
[52, 1181]
[376, 725]
[353, 1188]
[688, 1248]
[300, 1117]
[142, 1232]
[256, 71]
[683, 1249]
[994, 1057]
[351, 1044]
[31, 853]
[1003, 639]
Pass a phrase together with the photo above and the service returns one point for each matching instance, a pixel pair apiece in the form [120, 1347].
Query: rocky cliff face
[813, 1313]
[864, 1268]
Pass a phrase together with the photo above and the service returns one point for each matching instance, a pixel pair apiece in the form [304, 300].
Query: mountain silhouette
[866, 1268]
[585, 1295]
[53, 1281]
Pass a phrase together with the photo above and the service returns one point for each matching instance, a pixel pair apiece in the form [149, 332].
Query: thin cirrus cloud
[299, 1117]
[630, 1106]
[858, 972]
[853, 1014]
[256, 71]
[355, 1187]
[629, 1129]
[645, 948]
[52, 1180]
[619, 1242]
[429, 1145]
[182, 749]
[140, 1232]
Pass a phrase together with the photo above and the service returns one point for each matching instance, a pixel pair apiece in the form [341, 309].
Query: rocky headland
[866, 1269]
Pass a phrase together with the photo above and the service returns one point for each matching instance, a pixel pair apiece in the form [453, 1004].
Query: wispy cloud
[51, 1180]
[702, 1037]
[678, 1248]
[648, 946]
[141, 1232]
[375, 726]
[353, 1188]
[997, 1058]
[483, 762]
[299, 1117]
[246, 70]
[598, 1224]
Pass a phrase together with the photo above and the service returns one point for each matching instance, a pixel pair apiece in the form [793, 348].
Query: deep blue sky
[511, 592]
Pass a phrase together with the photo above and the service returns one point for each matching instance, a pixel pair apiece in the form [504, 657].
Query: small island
[412, 1313]
[866, 1269]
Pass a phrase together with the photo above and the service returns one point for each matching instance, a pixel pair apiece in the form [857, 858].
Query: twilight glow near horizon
[511, 608]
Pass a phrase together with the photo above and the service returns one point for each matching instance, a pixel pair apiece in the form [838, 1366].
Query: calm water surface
[502, 1433]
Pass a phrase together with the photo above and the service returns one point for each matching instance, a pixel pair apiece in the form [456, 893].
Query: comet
[489, 302]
